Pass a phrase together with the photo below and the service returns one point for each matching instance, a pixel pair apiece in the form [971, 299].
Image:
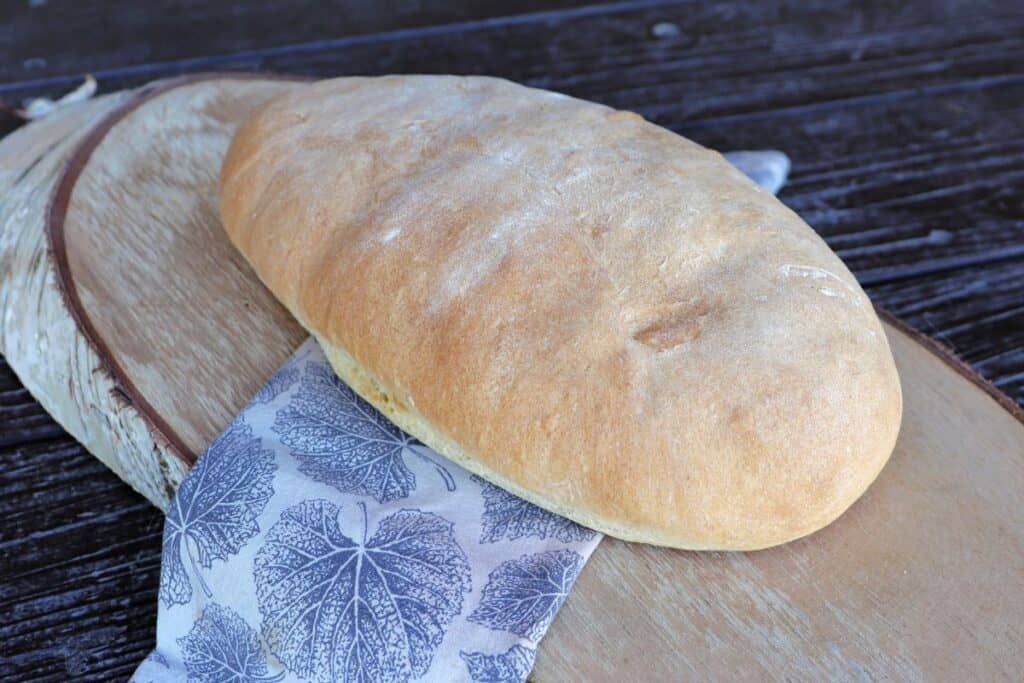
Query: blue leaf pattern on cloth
[510, 517]
[511, 667]
[281, 382]
[337, 609]
[341, 440]
[222, 648]
[522, 596]
[214, 512]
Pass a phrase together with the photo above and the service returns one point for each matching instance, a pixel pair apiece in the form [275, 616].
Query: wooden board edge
[40, 339]
[960, 366]
[56, 213]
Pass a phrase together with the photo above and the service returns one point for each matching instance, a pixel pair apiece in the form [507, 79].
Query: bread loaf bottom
[409, 421]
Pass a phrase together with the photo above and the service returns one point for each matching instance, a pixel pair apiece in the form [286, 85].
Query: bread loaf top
[584, 308]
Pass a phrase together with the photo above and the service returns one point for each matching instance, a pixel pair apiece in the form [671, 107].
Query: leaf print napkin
[315, 541]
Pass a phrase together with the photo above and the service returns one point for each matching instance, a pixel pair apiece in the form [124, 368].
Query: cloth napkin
[315, 541]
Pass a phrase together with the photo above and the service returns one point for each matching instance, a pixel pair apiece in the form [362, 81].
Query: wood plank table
[905, 125]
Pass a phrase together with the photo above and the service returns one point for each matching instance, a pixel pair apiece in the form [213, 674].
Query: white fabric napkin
[315, 541]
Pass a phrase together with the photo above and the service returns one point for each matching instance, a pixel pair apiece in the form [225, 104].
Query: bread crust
[589, 310]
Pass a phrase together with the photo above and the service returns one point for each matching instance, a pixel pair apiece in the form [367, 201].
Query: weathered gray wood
[79, 562]
[977, 311]
[55, 37]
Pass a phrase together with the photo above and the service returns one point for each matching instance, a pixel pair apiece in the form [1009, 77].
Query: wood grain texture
[79, 554]
[866, 596]
[735, 60]
[38, 334]
[904, 188]
[80, 603]
[725, 60]
[871, 596]
[157, 169]
[978, 312]
[55, 37]
[82, 384]
[80, 561]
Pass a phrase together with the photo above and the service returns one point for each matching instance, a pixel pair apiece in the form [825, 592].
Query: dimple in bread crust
[586, 309]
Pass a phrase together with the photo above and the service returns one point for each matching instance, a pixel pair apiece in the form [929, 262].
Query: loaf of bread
[584, 308]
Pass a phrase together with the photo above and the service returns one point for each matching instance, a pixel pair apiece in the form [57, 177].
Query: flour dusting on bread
[589, 310]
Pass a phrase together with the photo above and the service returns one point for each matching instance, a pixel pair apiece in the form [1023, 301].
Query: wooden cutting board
[132, 320]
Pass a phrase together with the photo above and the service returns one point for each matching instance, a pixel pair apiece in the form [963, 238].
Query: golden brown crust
[596, 313]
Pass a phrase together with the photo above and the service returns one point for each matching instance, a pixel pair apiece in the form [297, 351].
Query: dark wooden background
[905, 122]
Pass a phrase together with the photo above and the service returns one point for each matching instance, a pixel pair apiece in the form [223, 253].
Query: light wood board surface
[131, 319]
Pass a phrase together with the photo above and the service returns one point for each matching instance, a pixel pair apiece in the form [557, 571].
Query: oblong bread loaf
[584, 308]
